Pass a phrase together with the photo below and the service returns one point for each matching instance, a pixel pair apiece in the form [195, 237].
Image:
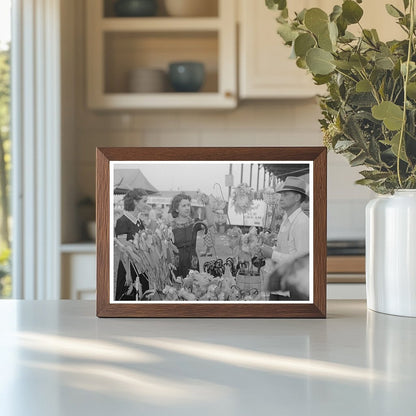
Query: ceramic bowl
[186, 76]
[135, 8]
[147, 80]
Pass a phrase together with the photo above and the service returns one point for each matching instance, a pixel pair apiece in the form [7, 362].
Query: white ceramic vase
[391, 253]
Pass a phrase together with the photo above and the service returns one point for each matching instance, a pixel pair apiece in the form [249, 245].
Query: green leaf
[362, 99]
[384, 62]
[375, 35]
[301, 63]
[347, 37]
[411, 124]
[393, 11]
[292, 52]
[336, 12]
[358, 160]
[319, 61]
[358, 61]
[287, 33]
[321, 79]
[303, 43]
[365, 182]
[333, 32]
[353, 131]
[351, 11]
[412, 67]
[396, 70]
[325, 42]
[374, 150]
[411, 90]
[374, 175]
[344, 65]
[406, 4]
[343, 145]
[368, 36]
[316, 20]
[342, 25]
[391, 114]
[382, 89]
[363, 86]
[282, 20]
[394, 143]
[301, 15]
[276, 4]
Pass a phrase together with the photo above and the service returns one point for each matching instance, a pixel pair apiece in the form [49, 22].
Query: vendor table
[57, 358]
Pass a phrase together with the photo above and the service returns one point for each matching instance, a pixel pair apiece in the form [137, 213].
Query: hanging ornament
[243, 198]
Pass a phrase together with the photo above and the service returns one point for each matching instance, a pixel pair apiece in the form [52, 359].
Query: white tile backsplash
[257, 123]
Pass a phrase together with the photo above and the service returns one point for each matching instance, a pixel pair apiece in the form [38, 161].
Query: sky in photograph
[193, 177]
[5, 19]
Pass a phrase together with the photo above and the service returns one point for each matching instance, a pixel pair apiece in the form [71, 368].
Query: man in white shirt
[292, 244]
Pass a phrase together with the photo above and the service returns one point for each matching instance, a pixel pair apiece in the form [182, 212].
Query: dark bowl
[186, 76]
[135, 8]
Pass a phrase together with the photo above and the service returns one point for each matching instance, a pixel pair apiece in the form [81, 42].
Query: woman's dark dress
[185, 240]
[125, 226]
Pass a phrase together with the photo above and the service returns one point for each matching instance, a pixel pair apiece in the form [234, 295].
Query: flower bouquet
[205, 287]
[151, 253]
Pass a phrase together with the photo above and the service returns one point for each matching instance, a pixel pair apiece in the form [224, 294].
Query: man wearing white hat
[292, 240]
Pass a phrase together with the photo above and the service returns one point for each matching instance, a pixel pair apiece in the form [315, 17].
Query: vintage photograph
[187, 231]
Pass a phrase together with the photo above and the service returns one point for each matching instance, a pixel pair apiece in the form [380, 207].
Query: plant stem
[346, 75]
[373, 88]
[406, 79]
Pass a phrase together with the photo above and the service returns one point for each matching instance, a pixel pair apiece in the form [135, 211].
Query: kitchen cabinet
[265, 70]
[78, 264]
[346, 277]
[118, 45]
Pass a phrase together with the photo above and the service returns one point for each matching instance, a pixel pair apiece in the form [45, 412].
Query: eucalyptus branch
[404, 28]
[397, 95]
[346, 75]
[406, 79]
[392, 90]
[373, 88]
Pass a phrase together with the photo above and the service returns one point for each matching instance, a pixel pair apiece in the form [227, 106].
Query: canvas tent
[282, 171]
[128, 179]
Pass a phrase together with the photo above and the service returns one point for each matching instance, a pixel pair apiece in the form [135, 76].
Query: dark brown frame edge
[317, 309]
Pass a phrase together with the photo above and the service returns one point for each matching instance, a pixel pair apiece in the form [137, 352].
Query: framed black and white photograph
[211, 232]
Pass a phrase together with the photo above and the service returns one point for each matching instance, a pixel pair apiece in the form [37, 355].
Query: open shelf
[118, 45]
[160, 24]
[210, 9]
[127, 51]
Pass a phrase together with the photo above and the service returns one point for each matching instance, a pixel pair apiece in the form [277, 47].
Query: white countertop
[57, 358]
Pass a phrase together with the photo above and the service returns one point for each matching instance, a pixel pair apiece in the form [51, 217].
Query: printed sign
[255, 216]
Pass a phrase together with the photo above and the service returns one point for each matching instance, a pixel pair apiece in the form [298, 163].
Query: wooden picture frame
[271, 159]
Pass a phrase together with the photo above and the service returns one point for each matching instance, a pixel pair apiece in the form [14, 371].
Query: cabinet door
[265, 68]
[78, 276]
